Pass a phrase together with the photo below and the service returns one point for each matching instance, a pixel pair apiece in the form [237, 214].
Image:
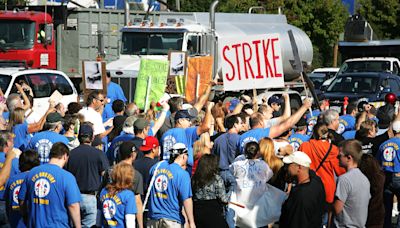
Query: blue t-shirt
[114, 147]
[346, 123]
[21, 139]
[388, 155]
[186, 136]
[114, 92]
[253, 135]
[11, 196]
[297, 139]
[226, 147]
[116, 207]
[43, 141]
[14, 170]
[6, 116]
[171, 187]
[48, 190]
[349, 134]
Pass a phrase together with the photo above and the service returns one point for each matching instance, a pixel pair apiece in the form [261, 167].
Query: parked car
[329, 72]
[372, 86]
[43, 83]
[317, 79]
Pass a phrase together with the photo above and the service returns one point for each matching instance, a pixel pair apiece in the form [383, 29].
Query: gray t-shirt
[353, 189]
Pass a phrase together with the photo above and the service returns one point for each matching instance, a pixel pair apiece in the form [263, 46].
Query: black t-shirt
[138, 143]
[87, 163]
[337, 138]
[305, 205]
[144, 165]
[137, 187]
[371, 145]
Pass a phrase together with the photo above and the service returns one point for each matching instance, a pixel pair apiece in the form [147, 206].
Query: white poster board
[93, 75]
[251, 62]
[177, 60]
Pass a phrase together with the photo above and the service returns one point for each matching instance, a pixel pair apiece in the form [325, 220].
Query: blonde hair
[17, 117]
[267, 151]
[200, 147]
[122, 178]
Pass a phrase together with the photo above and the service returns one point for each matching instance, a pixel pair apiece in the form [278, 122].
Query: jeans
[392, 187]
[3, 215]
[88, 210]
[229, 179]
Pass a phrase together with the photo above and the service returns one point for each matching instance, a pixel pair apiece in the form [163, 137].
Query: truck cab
[27, 38]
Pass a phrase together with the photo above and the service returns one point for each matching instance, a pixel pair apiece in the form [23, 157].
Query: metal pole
[178, 5]
[214, 50]
[126, 13]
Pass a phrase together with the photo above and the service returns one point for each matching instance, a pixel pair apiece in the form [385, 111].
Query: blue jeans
[392, 187]
[88, 210]
[229, 179]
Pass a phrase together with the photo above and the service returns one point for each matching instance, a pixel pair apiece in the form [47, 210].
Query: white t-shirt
[90, 115]
[251, 176]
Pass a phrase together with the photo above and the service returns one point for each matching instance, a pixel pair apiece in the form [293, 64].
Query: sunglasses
[101, 100]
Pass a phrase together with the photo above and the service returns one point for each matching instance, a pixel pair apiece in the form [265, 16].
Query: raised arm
[277, 130]
[27, 103]
[35, 127]
[204, 98]
[160, 121]
[206, 124]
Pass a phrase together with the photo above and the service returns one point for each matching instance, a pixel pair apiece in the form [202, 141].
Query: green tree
[383, 15]
[195, 5]
[322, 20]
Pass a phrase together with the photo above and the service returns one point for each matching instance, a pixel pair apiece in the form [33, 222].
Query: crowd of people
[238, 162]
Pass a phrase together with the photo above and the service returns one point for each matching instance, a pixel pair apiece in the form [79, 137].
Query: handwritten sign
[251, 62]
[157, 70]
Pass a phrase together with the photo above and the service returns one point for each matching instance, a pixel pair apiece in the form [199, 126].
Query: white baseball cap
[299, 158]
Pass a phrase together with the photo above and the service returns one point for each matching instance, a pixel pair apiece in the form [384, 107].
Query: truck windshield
[365, 66]
[16, 34]
[135, 43]
[354, 84]
[4, 82]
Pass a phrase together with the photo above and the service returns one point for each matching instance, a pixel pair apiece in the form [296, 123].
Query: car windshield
[349, 84]
[135, 43]
[317, 79]
[364, 66]
[4, 82]
[16, 34]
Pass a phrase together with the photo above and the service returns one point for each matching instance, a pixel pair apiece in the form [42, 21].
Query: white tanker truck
[161, 32]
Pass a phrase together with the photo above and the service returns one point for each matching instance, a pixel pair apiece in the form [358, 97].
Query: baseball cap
[149, 143]
[54, 117]
[127, 147]
[178, 148]
[396, 126]
[86, 129]
[183, 114]
[233, 103]
[299, 158]
[274, 99]
[141, 123]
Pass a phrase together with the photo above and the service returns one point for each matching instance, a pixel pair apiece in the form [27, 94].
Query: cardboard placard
[94, 77]
[198, 76]
[177, 63]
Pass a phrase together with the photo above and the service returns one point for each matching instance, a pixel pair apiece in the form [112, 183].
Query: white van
[43, 83]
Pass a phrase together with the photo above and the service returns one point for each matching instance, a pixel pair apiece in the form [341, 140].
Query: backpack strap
[325, 157]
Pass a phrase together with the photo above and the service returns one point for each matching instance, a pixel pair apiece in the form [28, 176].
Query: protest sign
[198, 76]
[251, 62]
[151, 82]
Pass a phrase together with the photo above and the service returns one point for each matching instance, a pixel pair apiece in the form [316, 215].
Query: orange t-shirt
[329, 168]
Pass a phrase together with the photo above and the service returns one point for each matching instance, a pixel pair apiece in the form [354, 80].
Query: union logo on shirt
[389, 154]
[109, 209]
[161, 183]
[16, 193]
[42, 187]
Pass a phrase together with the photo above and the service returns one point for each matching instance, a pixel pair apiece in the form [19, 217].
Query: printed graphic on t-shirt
[311, 125]
[247, 140]
[295, 145]
[42, 187]
[43, 147]
[169, 142]
[16, 193]
[109, 209]
[161, 183]
[389, 154]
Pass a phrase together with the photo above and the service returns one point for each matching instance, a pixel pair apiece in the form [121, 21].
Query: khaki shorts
[163, 223]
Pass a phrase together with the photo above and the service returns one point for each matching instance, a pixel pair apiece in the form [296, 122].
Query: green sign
[154, 72]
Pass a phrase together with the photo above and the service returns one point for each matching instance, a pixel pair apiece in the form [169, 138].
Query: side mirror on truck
[48, 29]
